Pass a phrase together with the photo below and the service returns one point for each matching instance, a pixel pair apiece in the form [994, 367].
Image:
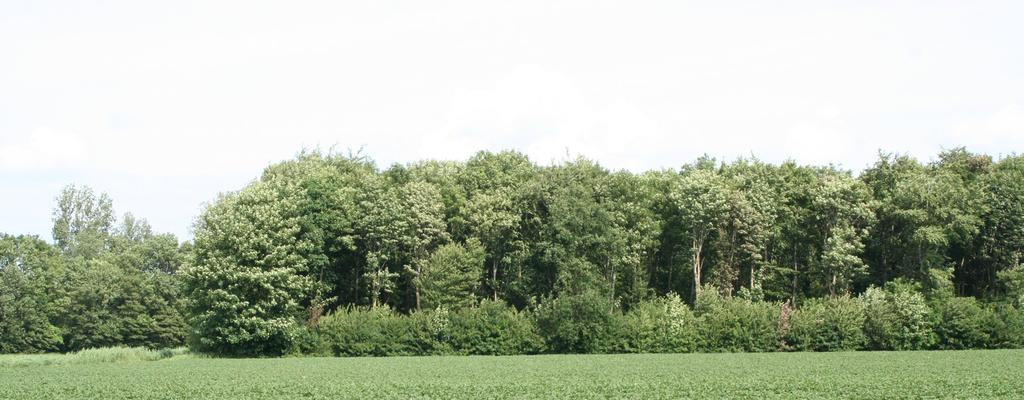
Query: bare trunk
[796, 274]
[751, 287]
[494, 278]
[418, 280]
[697, 247]
[613, 281]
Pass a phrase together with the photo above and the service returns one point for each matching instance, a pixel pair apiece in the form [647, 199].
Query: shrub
[583, 323]
[896, 318]
[427, 332]
[832, 324]
[382, 332]
[358, 332]
[1007, 328]
[735, 325]
[310, 342]
[493, 328]
[661, 325]
[961, 323]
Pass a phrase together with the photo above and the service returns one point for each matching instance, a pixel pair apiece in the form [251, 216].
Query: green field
[868, 375]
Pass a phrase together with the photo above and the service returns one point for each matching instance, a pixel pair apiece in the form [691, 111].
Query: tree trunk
[613, 280]
[697, 247]
[494, 278]
[419, 275]
[751, 287]
[796, 274]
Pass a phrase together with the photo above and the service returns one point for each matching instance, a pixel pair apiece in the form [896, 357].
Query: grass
[865, 375]
[92, 356]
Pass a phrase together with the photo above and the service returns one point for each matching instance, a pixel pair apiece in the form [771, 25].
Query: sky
[163, 105]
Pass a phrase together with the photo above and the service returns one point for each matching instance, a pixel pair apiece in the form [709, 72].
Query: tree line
[324, 238]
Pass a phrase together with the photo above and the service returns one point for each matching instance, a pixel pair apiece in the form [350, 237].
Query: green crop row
[864, 375]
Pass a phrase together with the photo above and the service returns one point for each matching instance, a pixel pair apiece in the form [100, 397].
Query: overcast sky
[163, 105]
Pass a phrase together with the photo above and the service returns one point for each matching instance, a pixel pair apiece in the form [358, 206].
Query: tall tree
[999, 245]
[248, 276]
[450, 275]
[842, 209]
[701, 197]
[83, 222]
[425, 227]
[28, 271]
[632, 237]
[494, 212]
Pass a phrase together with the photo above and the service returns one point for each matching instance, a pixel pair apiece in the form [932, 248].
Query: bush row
[879, 319]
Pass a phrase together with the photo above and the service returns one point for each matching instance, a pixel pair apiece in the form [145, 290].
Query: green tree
[246, 279]
[424, 211]
[494, 213]
[83, 222]
[632, 236]
[450, 275]
[842, 209]
[702, 199]
[28, 267]
[747, 229]
[999, 245]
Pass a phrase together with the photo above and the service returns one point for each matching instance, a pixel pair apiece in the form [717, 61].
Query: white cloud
[998, 132]
[42, 149]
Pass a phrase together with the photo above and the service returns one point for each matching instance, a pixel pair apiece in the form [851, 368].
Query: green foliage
[82, 222]
[1000, 242]
[660, 325]
[1012, 281]
[734, 325]
[493, 328]
[450, 275]
[841, 207]
[1006, 330]
[99, 286]
[896, 318]
[382, 332]
[701, 198]
[829, 324]
[961, 323]
[246, 281]
[26, 281]
[325, 232]
[583, 323]
[359, 332]
[110, 305]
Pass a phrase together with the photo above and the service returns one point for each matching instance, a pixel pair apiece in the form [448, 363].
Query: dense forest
[329, 254]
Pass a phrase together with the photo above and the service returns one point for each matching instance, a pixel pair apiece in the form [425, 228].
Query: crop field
[936, 374]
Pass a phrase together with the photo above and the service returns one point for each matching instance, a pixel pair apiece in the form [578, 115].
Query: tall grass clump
[94, 356]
